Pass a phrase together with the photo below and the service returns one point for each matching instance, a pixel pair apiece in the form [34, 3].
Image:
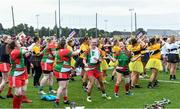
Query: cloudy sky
[159, 14]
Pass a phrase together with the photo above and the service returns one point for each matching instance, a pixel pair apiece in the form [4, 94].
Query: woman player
[5, 64]
[136, 66]
[47, 66]
[123, 57]
[17, 74]
[92, 60]
[62, 70]
[154, 63]
[173, 57]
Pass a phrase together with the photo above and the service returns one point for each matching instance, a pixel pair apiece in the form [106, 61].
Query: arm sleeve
[14, 55]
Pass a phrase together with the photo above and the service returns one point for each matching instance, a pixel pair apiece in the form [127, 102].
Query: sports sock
[65, 98]
[17, 102]
[127, 87]
[116, 88]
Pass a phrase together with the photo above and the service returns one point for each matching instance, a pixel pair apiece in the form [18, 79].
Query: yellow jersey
[84, 47]
[136, 51]
[36, 49]
[156, 48]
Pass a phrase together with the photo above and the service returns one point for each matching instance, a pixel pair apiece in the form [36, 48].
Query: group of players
[92, 57]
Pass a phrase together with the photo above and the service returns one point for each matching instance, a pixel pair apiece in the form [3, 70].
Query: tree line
[43, 31]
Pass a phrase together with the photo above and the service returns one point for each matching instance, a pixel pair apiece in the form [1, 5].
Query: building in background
[162, 32]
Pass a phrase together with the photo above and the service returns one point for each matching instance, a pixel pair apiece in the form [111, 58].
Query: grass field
[141, 96]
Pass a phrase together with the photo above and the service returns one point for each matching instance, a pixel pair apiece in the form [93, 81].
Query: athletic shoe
[174, 77]
[1, 97]
[137, 86]
[150, 86]
[106, 97]
[52, 92]
[116, 95]
[129, 94]
[89, 99]
[156, 83]
[171, 77]
[42, 92]
[141, 77]
[67, 102]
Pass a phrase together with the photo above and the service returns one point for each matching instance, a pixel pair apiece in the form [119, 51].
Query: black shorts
[0, 74]
[61, 79]
[173, 58]
[47, 72]
[122, 72]
[79, 63]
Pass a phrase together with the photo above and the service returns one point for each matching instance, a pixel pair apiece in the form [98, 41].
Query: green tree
[65, 31]
[43, 31]
[31, 31]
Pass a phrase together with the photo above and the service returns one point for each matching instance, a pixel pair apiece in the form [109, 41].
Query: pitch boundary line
[176, 82]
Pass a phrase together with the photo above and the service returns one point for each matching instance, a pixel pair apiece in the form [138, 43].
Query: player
[47, 66]
[136, 66]
[92, 65]
[154, 63]
[62, 70]
[5, 65]
[18, 73]
[123, 57]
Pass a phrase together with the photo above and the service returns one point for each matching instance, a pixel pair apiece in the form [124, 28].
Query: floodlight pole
[131, 10]
[96, 27]
[59, 20]
[14, 30]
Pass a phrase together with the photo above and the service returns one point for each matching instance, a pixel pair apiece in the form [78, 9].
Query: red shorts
[5, 67]
[17, 81]
[60, 75]
[95, 73]
[46, 66]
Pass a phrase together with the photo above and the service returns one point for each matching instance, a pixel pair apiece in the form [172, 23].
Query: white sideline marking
[176, 82]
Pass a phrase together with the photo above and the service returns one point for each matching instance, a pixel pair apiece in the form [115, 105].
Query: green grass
[141, 96]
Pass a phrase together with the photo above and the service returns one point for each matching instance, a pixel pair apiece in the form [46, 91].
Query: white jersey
[31, 46]
[173, 48]
[164, 49]
[94, 54]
